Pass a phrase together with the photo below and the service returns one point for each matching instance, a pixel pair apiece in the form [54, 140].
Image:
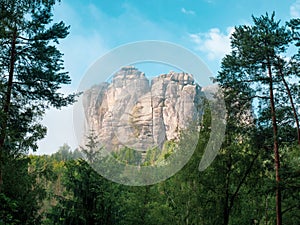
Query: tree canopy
[259, 75]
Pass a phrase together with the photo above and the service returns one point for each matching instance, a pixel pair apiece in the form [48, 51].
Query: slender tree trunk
[266, 213]
[276, 149]
[226, 208]
[292, 103]
[242, 181]
[6, 104]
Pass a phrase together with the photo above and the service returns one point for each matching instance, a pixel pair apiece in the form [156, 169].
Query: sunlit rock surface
[135, 112]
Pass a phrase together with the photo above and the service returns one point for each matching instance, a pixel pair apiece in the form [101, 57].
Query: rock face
[130, 111]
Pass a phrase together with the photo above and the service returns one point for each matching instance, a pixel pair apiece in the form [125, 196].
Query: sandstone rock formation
[130, 111]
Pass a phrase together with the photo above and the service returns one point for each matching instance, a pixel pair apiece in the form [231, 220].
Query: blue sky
[97, 26]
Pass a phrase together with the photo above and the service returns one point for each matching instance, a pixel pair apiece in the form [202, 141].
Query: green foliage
[129, 156]
[31, 74]
[238, 188]
[64, 153]
[259, 61]
[22, 195]
[291, 184]
[31, 68]
[87, 199]
[258, 78]
[92, 150]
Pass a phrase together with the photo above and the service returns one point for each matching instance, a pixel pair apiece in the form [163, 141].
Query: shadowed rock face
[132, 112]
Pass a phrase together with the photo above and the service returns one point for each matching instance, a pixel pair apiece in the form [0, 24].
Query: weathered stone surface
[131, 112]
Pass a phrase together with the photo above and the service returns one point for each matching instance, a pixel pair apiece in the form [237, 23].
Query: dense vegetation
[255, 178]
[238, 188]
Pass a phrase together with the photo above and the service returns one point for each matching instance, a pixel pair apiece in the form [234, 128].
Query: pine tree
[257, 72]
[93, 149]
[32, 73]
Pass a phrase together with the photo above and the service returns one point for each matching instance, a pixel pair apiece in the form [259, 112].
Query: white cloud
[295, 9]
[187, 12]
[214, 43]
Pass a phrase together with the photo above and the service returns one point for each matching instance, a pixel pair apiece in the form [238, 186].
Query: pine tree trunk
[226, 215]
[276, 149]
[6, 104]
[226, 208]
[266, 213]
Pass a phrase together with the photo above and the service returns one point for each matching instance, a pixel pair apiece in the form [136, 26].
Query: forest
[255, 178]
